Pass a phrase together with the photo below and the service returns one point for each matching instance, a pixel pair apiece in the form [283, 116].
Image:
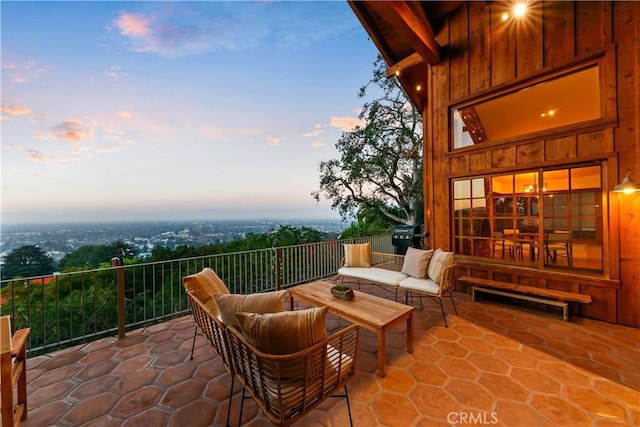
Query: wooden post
[118, 263]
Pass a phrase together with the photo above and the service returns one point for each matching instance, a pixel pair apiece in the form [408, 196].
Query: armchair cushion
[357, 255]
[439, 261]
[204, 285]
[286, 332]
[262, 303]
[416, 262]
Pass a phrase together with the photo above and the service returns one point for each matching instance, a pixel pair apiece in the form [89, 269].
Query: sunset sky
[174, 110]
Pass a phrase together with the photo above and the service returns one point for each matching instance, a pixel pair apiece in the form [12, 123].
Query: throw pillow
[357, 255]
[416, 262]
[439, 261]
[286, 332]
[231, 304]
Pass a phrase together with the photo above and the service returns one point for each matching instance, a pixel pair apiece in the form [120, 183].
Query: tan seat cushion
[416, 262]
[230, 304]
[204, 285]
[374, 274]
[357, 255]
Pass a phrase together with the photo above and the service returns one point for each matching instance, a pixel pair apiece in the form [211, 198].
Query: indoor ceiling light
[627, 186]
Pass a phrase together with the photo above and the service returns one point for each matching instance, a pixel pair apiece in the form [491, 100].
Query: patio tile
[561, 412]
[428, 373]
[434, 401]
[135, 380]
[138, 400]
[97, 369]
[196, 413]
[503, 386]
[93, 387]
[394, 409]
[520, 366]
[585, 398]
[175, 374]
[470, 394]
[90, 409]
[397, 381]
[182, 393]
[535, 380]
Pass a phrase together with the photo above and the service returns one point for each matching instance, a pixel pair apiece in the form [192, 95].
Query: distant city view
[59, 239]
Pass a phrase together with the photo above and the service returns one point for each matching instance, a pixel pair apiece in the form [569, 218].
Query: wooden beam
[405, 64]
[375, 32]
[416, 32]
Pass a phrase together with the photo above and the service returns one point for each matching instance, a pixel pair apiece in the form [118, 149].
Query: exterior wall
[481, 57]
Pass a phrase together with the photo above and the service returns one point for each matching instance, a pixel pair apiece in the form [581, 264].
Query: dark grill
[405, 236]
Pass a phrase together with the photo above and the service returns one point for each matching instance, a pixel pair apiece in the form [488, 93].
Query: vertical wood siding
[482, 52]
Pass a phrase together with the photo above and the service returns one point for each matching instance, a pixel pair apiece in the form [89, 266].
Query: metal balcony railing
[70, 308]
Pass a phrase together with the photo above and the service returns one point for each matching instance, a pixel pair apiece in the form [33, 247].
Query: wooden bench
[528, 293]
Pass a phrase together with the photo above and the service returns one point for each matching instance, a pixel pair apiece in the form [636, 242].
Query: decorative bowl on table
[343, 292]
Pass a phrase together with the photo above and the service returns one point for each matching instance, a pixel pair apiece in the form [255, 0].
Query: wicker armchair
[215, 333]
[321, 370]
[13, 373]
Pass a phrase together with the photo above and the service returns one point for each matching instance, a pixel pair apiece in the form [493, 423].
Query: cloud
[124, 114]
[22, 72]
[35, 156]
[75, 131]
[108, 149]
[273, 140]
[346, 123]
[116, 73]
[313, 133]
[188, 28]
[15, 111]
[133, 25]
[318, 144]
[220, 134]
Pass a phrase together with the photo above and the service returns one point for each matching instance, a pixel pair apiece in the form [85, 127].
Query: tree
[91, 256]
[381, 162]
[369, 222]
[27, 261]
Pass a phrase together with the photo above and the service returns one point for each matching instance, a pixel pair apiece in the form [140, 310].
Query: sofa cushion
[416, 262]
[373, 274]
[357, 255]
[204, 285]
[439, 261]
[262, 303]
[286, 332]
[420, 285]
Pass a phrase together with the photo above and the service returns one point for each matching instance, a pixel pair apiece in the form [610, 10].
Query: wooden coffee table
[370, 312]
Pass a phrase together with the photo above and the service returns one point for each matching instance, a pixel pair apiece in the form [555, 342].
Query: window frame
[480, 222]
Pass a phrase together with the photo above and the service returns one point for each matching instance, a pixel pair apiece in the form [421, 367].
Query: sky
[141, 110]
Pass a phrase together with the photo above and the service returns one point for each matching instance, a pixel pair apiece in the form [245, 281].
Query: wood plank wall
[481, 53]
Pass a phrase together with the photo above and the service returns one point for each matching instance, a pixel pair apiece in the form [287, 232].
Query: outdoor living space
[496, 363]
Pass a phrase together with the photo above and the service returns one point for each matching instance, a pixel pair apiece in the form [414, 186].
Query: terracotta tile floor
[496, 364]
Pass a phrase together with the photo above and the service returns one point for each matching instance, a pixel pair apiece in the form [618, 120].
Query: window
[557, 102]
[543, 217]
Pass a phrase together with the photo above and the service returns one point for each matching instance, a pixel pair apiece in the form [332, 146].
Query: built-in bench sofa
[424, 272]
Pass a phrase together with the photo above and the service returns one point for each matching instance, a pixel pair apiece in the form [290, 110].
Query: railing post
[118, 263]
[278, 269]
